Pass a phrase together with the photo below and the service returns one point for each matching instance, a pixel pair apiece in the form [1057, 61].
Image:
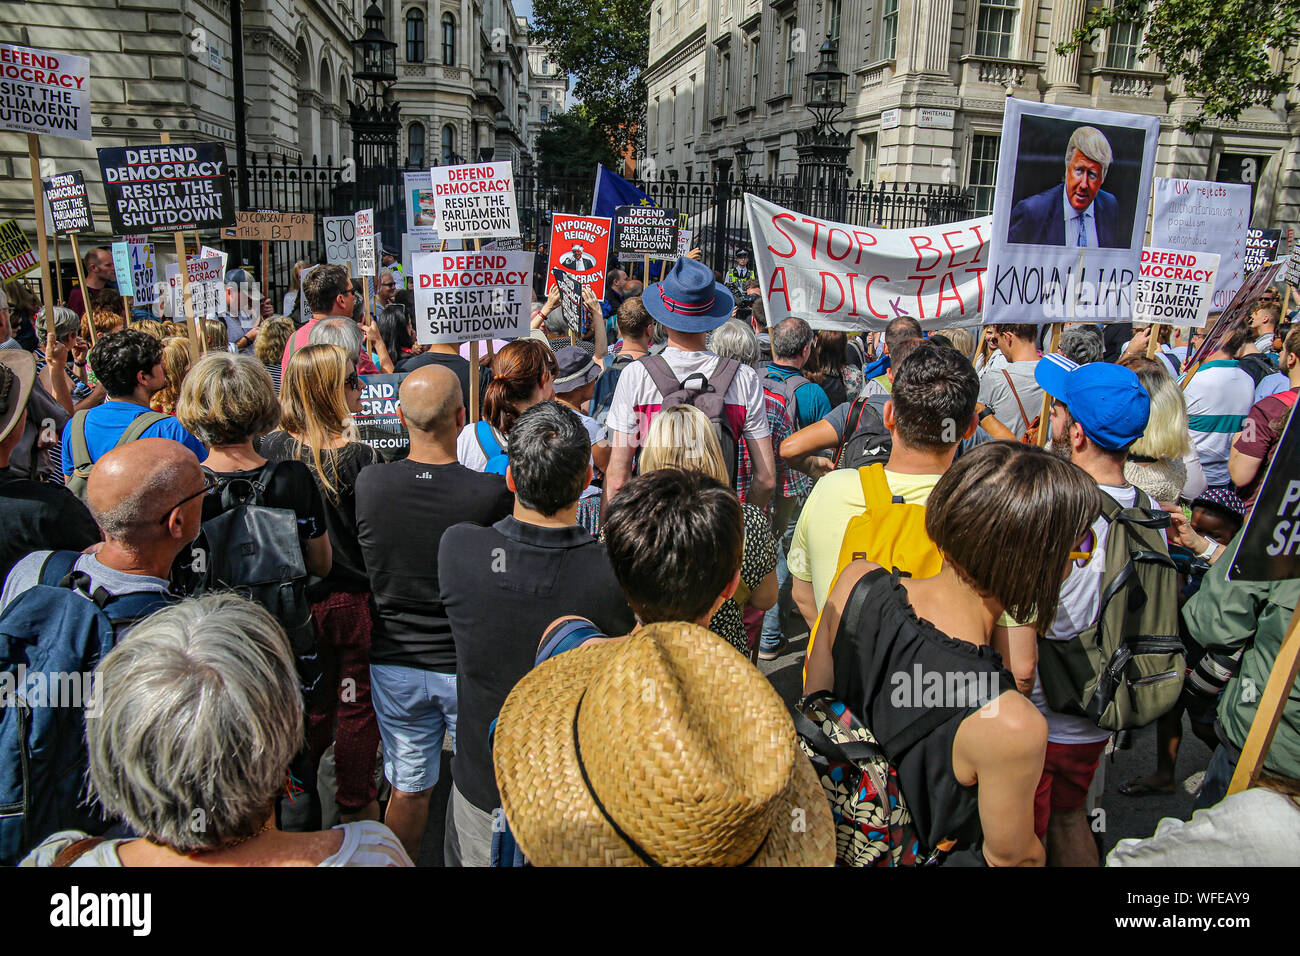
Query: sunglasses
[350, 290]
[209, 486]
[1083, 555]
[352, 381]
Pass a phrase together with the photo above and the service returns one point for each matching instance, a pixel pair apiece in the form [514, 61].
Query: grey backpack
[81, 461]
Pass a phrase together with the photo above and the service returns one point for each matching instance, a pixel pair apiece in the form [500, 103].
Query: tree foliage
[605, 44]
[1232, 54]
[570, 144]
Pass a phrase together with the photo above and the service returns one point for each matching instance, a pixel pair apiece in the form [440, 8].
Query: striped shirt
[1219, 398]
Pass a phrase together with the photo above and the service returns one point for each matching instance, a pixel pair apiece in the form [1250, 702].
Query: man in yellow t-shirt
[932, 408]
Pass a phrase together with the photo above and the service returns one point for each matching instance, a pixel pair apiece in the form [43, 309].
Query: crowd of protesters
[572, 592]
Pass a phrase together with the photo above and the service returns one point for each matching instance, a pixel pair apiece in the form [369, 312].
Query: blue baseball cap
[1107, 400]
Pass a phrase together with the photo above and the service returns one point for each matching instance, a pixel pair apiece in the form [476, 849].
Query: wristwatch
[1211, 546]
[986, 413]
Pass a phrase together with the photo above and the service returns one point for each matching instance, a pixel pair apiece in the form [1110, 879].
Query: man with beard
[1098, 411]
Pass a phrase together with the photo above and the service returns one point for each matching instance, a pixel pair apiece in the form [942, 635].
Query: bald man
[147, 498]
[402, 511]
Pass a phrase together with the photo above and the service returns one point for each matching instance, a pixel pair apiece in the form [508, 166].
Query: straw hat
[667, 748]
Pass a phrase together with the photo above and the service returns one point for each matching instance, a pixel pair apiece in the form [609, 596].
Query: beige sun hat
[17, 373]
[664, 749]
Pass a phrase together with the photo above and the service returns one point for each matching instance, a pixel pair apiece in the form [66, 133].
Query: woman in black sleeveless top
[911, 657]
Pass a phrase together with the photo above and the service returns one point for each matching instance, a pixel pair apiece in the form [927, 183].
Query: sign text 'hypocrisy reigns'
[466, 296]
[838, 276]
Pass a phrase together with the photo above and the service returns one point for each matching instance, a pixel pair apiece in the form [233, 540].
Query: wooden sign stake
[1153, 343]
[85, 293]
[264, 278]
[647, 270]
[126, 310]
[197, 344]
[38, 198]
[473, 370]
[1280, 681]
[58, 272]
[1045, 413]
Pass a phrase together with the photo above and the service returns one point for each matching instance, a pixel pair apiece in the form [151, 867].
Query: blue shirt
[105, 424]
[813, 405]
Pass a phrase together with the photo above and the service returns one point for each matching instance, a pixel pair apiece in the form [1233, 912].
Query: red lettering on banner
[864, 239]
[830, 236]
[821, 307]
[775, 225]
[779, 273]
[979, 244]
[947, 280]
[853, 292]
[917, 247]
[817, 228]
[871, 308]
[953, 250]
[920, 291]
[979, 277]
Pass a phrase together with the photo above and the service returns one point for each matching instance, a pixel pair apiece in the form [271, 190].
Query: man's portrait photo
[1078, 211]
[577, 259]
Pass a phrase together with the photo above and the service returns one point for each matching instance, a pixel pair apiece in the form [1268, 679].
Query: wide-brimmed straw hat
[17, 373]
[664, 749]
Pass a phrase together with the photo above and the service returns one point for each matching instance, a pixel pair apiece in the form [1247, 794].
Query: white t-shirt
[470, 453]
[995, 362]
[636, 395]
[1255, 827]
[1078, 609]
[1219, 398]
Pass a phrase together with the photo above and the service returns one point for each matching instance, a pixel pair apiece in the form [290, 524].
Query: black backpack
[255, 551]
[1256, 366]
[707, 394]
[866, 440]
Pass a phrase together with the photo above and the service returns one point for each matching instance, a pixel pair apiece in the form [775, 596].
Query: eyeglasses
[352, 381]
[1082, 556]
[350, 290]
[209, 486]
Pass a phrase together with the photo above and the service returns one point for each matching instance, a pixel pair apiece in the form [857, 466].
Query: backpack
[866, 440]
[889, 532]
[1030, 436]
[81, 461]
[707, 394]
[255, 551]
[51, 640]
[603, 396]
[783, 391]
[497, 459]
[1127, 668]
[1257, 366]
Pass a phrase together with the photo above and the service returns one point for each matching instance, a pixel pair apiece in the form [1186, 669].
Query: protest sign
[167, 188]
[421, 220]
[1205, 217]
[466, 296]
[504, 245]
[122, 268]
[272, 226]
[1293, 269]
[645, 231]
[474, 201]
[69, 205]
[570, 299]
[414, 246]
[1174, 287]
[683, 242]
[304, 310]
[367, 264]
[1063, 247]
[46, 93]
[1237, 312]
[341, 242]
[206, 283]
[207, 252]
[1269, 546]
[838, 276]
[377, 423]
[580, 247]
[144, 277]
[16, 256]
[1261, 247]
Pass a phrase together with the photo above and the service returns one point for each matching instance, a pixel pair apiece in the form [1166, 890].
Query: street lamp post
[375, 124]
[743, 155]
[823, 150]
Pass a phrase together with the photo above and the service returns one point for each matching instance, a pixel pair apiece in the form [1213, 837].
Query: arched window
[415, 145]
[448, 145]
[414, 36]
[448, 39]
[544, 114]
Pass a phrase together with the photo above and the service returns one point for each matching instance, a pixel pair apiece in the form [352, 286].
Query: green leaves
[570, 144]
[1232, 54]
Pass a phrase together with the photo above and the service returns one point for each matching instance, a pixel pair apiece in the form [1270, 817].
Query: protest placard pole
[473, 369]
[38, 199]
[1280, 681]
[126, 310]
[85, 293]
[264, 276]
[1045, 413]
[647, 269]
[365, 298]
[1153, 342]
[196, 344]
[58, 271]
[1286, 300]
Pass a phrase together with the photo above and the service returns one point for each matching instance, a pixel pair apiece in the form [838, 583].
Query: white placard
[466, 296]
[474, 201]
[1202, 216]
[365, 242]
[1175, 287]
[207, 287]
[44, 92]
[341, 241]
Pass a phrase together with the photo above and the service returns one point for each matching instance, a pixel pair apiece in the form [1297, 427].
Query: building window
[415, 145]
[984, 171]
[995, 32]
[1123, 45]
[545, 114]
[833, 20]
[448, 39]
[869, 170]
[888, 29]
[545, 64]
[726, 83]
[448, 145]
[789, 56]
[753, 80]
[1242, 168]
[690, 130]
[414, 37]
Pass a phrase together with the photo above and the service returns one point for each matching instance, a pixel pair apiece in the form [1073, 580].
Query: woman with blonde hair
[215, 335]
[683, 437]
[1163, 462]
[319, 394]
[268, 347]
[523, 374]
[176, 363]
[295, 289]
[155, 328]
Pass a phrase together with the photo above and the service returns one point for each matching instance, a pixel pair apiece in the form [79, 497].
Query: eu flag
[612, 191]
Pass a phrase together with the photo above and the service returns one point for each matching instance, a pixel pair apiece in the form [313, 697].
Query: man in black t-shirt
[402, 511]
[501, 586]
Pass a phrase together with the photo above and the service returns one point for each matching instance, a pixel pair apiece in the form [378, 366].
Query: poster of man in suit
[1069, 213]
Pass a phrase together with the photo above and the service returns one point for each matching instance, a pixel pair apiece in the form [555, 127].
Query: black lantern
[374, 56]
[826, 86]
[743, 155]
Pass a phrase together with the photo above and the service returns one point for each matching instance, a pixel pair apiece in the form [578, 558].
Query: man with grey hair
[147, 499]
[344, 333]
[1081, 344]
[1076, 212]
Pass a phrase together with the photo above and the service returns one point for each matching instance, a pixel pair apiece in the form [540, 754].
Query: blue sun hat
[688, 299]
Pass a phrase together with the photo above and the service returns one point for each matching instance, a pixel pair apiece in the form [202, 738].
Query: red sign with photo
[580, 247]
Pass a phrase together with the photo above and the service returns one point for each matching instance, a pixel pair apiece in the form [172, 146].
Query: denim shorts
[416, 708]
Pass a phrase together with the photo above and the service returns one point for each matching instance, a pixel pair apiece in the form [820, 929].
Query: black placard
[69, 205]
[1261, 247]
[377, 424]
[167, 188]
[645, 231]
[1269, 547]
[570, 299]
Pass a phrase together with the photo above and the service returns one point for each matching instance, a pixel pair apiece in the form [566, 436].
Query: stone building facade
[927, 84]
